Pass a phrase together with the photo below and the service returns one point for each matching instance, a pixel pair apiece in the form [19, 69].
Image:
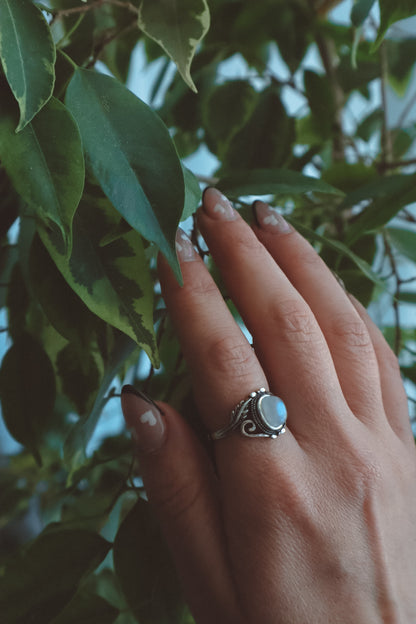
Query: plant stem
[386, 142]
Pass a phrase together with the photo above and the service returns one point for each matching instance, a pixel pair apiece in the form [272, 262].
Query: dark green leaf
[370, 124]
[27, 54]
[46, 166]
[130, 151]
[360, 11]
[402, 57]
[321, 101]
[38, 584]
[407, 297]
[404, 241]
[112, 280]
[17, 302]
[273, 182]
[193, 194]
[27, 392]
[392, 11]
[80, 376]
[145, 571]
[409, 372]
[87, 608]
[177, 26]
[265, 141]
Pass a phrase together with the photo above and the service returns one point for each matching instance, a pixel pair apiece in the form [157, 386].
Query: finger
[394, 394]
[345, 333]
[288, 340]
[182, 489]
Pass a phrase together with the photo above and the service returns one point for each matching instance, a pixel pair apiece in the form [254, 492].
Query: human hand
[318, 525]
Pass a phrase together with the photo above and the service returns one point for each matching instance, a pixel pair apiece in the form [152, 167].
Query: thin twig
[396, 307]
[386, 142]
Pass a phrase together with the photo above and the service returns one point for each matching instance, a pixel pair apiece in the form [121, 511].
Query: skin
[318, 525]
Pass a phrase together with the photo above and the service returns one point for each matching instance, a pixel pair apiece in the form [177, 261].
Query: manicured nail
[217, 206]
[143, 418]
[270, 220]
[184, 247]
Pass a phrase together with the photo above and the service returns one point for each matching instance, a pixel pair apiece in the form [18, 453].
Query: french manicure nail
[143, 418]
[270, 220]
[184, 247]
[217, 206]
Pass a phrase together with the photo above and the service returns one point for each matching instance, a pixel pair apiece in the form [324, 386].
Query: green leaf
[46, 166]
[27, 392]
[360, 11]
[193, 194]
[389, 195]
[409, 372]
[226, 110]
[266, 139]
[112, 280]
[87, 608]
[392, 11]
[28, 54]
[177, 26]
[145, 571]
[130, 152]
[80, 376]
[76, 443]
[404, 241]
[407, 297]
[321, 101]
[38, 584]
[273, 182]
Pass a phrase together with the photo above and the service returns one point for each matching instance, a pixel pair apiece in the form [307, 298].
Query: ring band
[260, 415]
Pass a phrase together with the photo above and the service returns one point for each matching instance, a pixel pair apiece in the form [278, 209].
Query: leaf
[77, 441]
[360, 11]
[193, 194]
[46, 166]
[273, 181]
[404, 241]
[321, 101]
[407, 297]
[87, 608]
[266, 139]
[112, 280]
[144, 569]
[28, 54]
[389, 195]
[27, 392]
[177, 26]
[80, 376]
[130, 152]
[392, 11]
[38, 584]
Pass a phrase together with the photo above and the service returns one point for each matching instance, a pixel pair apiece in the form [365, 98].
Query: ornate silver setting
[249, 418]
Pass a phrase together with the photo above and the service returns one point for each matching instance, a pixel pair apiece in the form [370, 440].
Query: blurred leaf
[178, 27]
[27, 392]
[226, 110]
[28, 55]
[409, 372]
[370, 124]
[407, 297]
[402, 57]
[266, 139]
[145, 571]
[46, 166]
[112, 280]
[124, 139]
[39, 583]
[360, 11]
[392, 11]
[273, 181]
[87, 608]
[17, 302]
[193, 194]
[348, 177]
[321, 101]
[80, 376]
[404, 241]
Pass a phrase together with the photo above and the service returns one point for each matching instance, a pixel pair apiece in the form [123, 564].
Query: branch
[386, 142]
[384, 166]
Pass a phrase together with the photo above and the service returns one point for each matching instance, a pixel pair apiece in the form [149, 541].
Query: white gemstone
[272, 411]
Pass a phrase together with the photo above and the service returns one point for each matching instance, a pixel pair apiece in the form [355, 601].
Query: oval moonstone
[272, 411]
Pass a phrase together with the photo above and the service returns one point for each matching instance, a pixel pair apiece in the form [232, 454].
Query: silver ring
[260, 415]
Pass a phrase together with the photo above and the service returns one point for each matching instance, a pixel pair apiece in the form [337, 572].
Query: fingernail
[184, 247]
[143, 418]
[270, 220]
[217, 206]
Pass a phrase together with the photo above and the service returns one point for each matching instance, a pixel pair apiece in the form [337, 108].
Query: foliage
[93, 183]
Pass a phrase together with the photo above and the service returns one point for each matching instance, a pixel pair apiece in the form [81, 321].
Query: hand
[318, 525]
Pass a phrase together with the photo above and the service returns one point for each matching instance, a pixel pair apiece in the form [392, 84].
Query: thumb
[183, 490]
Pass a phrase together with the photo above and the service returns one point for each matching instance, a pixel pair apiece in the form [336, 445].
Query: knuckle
[232, 358]
[295, 321]
[174, 500]
[352, 331]
[201, 285]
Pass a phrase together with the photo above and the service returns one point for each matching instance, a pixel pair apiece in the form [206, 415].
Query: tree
[93, 185]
